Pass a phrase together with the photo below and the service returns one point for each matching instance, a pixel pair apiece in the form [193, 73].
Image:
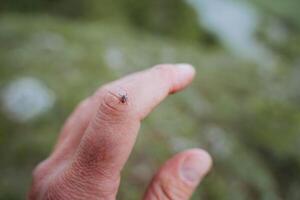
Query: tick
[123, 98]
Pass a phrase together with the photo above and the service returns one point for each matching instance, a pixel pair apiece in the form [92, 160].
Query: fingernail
[193, 168]
[186, 69]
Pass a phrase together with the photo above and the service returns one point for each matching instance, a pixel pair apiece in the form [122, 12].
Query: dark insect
[123, 98]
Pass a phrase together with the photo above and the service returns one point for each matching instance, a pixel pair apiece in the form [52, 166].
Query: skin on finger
[77, 123]
[111, 133]
[148, 88]
[179, 176]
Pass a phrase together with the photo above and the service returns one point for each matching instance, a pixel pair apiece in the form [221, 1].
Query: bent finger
[110, 136]
[179, 176]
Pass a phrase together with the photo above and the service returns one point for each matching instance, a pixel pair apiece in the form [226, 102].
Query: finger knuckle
[111, 104]
[39, 175]
[40, 170]
[165, 190]
[167, 187]
[85, 185]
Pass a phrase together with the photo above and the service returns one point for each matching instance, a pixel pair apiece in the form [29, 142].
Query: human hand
[98, 137]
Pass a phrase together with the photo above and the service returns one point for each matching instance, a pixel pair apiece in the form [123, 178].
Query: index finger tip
[186, 69]
[186, 74]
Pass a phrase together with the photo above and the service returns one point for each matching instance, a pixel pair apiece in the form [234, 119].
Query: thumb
[179, 176]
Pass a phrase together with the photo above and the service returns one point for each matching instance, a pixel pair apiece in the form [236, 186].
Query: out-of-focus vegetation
[245, 113]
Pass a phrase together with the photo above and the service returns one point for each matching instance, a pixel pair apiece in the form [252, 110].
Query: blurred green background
[243, 107]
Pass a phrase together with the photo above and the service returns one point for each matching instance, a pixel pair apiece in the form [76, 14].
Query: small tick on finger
[123, 98]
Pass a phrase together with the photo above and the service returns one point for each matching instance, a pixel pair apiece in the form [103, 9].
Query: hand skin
[98, 137]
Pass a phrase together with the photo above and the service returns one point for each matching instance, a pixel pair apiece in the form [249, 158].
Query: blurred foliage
[246, 115]
[287, 10]
[173, 18]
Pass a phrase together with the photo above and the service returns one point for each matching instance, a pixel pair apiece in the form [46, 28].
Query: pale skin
[98, 137]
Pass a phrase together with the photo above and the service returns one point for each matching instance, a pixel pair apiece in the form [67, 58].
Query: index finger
[146, 89]
[110, 136]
